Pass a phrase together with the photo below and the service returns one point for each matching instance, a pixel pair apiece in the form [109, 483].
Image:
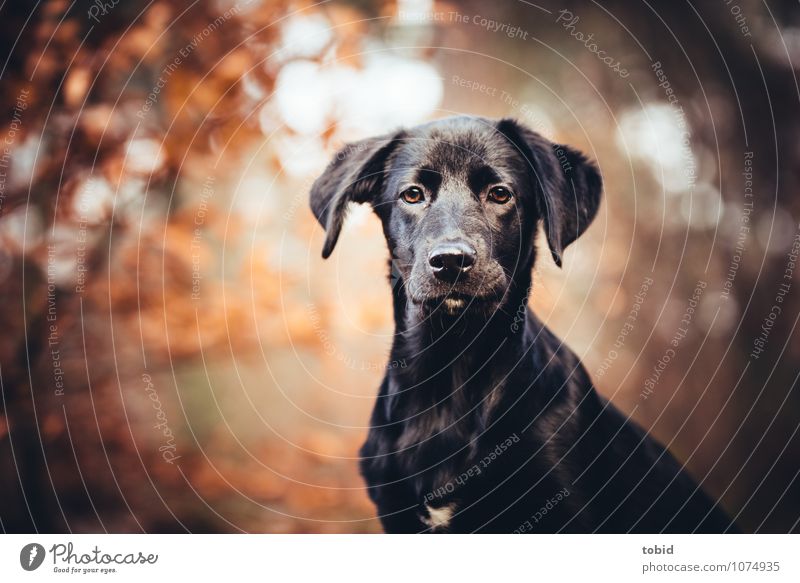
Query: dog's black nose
[449, 260]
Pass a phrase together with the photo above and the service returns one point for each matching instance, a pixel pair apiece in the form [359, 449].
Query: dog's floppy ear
[355, 174]
[568, 184]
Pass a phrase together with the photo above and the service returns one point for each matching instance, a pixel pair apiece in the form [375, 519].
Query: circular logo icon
[31, 556]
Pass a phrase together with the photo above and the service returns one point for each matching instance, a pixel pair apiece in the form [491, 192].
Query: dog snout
[452, 259]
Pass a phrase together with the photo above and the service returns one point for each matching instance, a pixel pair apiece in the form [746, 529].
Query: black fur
[493, 425]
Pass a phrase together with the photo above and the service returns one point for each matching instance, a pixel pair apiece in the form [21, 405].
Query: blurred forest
[175, 354]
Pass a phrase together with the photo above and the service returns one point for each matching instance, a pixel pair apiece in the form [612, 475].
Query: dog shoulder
[556, 361]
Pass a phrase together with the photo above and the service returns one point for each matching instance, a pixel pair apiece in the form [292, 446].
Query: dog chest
[437, 518]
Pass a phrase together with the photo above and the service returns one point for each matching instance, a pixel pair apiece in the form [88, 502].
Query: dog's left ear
[355, 174]
[568, 184]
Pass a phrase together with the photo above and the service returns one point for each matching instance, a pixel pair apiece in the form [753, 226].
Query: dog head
[460, 200]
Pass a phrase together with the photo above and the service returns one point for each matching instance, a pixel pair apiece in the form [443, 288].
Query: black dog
[493, 425]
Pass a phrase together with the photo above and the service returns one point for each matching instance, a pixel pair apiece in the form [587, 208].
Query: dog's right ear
[355, 174]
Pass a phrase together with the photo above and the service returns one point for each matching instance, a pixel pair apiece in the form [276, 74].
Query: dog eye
[412, 195]
[500, 195]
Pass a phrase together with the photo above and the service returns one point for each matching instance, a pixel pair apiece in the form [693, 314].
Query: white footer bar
[356, 558]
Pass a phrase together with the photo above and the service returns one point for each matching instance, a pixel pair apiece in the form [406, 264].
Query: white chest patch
[439, 518]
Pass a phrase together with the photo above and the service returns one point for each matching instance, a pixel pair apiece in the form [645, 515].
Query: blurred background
[175, 354]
